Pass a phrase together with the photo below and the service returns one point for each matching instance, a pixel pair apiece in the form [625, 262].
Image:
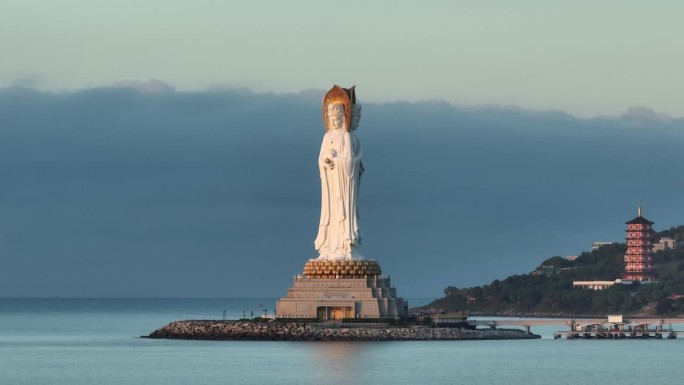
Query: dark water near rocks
[96, 341]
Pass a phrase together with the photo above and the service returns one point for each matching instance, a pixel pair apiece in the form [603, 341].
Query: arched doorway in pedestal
[335, 312]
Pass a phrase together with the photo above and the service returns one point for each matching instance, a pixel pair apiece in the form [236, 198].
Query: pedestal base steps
[341, 289]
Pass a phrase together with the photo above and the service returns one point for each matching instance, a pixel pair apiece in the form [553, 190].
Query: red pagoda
[639, 256]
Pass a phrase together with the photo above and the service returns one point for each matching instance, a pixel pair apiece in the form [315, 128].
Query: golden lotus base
[341, 269]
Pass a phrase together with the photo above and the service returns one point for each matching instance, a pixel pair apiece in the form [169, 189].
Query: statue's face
[335, 116]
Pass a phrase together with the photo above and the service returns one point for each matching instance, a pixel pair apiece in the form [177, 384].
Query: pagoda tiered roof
[639, 221]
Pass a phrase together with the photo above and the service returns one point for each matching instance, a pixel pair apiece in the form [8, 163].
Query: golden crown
[338, 95]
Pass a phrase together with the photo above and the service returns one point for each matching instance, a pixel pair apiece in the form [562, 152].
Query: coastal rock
[307, 331]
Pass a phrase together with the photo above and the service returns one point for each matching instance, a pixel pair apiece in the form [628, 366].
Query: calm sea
[96, 341]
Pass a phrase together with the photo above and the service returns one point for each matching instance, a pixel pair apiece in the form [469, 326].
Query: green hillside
[549, 291]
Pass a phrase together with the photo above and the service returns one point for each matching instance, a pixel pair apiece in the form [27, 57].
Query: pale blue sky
[585, 57]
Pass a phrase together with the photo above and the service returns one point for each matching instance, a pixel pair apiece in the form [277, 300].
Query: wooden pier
[615, 328]
[612, 328]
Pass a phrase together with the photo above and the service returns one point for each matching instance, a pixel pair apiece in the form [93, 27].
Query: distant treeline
[549, 289]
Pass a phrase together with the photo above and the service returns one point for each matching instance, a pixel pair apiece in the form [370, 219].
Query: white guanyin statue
[340, 168]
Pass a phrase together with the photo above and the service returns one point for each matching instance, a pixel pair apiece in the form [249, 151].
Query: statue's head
[337, 106]
[336, 117]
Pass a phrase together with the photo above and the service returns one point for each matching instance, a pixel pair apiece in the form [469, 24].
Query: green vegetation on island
[549, 289]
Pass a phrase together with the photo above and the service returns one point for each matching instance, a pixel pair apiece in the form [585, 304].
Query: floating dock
[616, 328]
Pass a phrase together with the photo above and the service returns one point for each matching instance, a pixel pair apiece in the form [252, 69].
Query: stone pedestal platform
[341, 289]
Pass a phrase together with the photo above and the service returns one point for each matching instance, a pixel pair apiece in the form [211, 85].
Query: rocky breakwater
[306, 331]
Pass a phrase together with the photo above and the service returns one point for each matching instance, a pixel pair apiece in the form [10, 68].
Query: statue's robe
[338, 232]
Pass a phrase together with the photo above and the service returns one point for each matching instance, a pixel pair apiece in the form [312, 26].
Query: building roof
[640, 220]
[453, 315]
